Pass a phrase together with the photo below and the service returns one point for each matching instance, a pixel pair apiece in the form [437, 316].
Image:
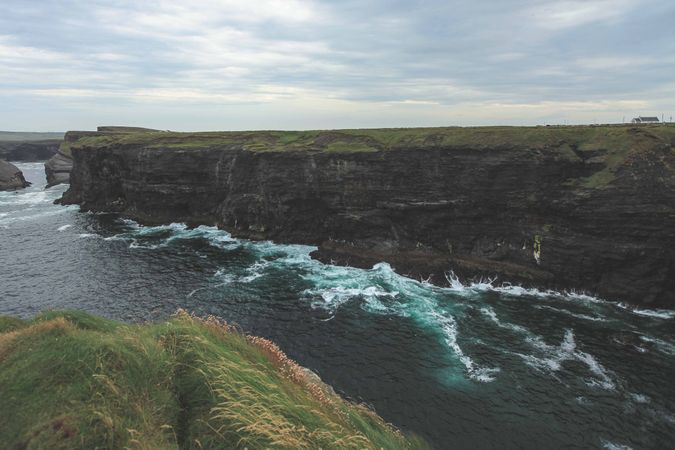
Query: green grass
[71, 380]
[65, 149]
[582, 137]
[609, 147]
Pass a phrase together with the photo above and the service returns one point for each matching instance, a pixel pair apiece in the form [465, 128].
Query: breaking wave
[382, 291]
[652, 313]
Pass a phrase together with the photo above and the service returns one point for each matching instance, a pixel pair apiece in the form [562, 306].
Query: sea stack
[11, 178]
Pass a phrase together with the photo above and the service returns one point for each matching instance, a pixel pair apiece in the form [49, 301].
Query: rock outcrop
[585, 208]
[11, 178]
[58, 168]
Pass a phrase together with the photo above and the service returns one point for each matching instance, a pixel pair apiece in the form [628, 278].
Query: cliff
[58, 168]
[28, 150]
[589, 207]
[70, 380]
[28, 146]
[11, 177]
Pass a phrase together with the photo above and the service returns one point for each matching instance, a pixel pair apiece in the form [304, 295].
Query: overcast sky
[294, 64]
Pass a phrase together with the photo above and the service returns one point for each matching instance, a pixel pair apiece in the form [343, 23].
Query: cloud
[557, 15]
[332, 63]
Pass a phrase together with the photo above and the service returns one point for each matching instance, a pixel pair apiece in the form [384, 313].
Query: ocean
[472, 365]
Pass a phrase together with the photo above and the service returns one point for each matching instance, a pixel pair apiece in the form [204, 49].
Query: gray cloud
[301, 64]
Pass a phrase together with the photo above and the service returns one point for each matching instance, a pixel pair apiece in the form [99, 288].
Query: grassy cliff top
[370, 140]
[70, 380]
[608, 147]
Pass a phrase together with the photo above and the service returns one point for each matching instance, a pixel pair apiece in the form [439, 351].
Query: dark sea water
[469, 366]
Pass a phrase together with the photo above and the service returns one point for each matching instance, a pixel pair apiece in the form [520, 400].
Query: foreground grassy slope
[70, 380]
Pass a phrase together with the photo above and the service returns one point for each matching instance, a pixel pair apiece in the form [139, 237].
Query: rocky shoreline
[584, 208]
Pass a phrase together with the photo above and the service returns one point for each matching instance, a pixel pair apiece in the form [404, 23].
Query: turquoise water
[479, 365]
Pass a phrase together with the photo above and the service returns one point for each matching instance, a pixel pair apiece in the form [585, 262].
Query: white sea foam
[135, 244]
[570, 313]
[336, 296]
[583, 401]
[27, 198]
[553, 358]
[381, 290]
[255, 271]
[63, 227]
[154, 237]
[663, 346]
[30, 217]
[490, 313]
[508, 289]
[476, 373]
[640, 398]
[653, 313]
[612, 446]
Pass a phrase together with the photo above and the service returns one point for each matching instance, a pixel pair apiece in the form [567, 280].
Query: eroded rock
[11, 178]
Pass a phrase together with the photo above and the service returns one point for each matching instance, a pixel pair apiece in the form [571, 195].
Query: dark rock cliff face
[58, 168]
[28, 150]
[11, 177]
[562, 215]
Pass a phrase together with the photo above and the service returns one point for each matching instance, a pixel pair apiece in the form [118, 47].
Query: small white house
[645, 120]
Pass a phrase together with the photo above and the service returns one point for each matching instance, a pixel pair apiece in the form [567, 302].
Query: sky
[295, 64]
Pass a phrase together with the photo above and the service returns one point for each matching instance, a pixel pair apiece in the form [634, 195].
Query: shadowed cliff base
[575, 207]
[70, 380]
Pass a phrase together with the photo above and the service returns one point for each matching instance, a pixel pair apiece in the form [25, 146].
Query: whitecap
[381, 290]
[476, 373]
[612, 446]
[490, 313]
[508, 289]
[30, 217]
[653, 313]
[134, 244]
[28, 198]
[570, 313]
[554, 357]
[640, 398]
[583, 401]
[603, 381]
[63, 227]
[663, 346]
[334, 297]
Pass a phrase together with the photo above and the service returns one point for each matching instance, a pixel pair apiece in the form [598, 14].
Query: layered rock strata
[585, 208]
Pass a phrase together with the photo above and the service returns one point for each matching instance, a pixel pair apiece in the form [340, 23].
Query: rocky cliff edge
[590, 208]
